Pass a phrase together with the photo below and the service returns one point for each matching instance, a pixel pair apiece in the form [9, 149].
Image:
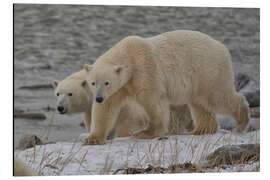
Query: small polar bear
[74, 96]
[22, 169]
[174, 68]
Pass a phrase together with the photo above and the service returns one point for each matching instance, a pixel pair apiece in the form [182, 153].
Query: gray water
[53, 41]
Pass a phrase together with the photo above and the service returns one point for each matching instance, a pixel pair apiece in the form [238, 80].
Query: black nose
[99, 99]
[60, 108]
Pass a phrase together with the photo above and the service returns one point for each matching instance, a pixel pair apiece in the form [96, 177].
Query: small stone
[29, 141]
[234, 154]
[253, 98]
[241, 80]
[82, 124]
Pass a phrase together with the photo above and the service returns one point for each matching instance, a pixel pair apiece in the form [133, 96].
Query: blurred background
[54, 41]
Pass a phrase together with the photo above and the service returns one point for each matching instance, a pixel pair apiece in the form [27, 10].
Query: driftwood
[37, 87]
[22, 115]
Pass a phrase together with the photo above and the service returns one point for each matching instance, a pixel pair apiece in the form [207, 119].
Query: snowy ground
[64, 158]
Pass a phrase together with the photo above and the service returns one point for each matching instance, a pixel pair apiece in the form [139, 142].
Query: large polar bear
[179, 67]
[74, 96]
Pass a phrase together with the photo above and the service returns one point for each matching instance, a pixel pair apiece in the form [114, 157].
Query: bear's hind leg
[241, 112]
[205, 122]
[235, 105]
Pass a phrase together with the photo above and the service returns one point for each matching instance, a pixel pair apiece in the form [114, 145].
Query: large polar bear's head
[72, 95]
[105, 80]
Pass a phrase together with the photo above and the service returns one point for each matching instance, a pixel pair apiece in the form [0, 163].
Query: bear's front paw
[91, 140]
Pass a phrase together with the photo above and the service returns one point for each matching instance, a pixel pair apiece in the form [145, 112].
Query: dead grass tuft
[187, 167]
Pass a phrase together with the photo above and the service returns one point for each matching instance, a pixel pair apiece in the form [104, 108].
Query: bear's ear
[84, 83]
[87, 67]
[118, 68]
[55, 83]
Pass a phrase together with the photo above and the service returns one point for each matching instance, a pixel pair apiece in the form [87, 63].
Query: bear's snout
[99, 99]
[60, 109]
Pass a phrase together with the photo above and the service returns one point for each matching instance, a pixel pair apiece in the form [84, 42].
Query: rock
[37, 87]
[28, 141]
[234, 154]
[241, 80]
[253, 98]
[38, 116]
[82, 124]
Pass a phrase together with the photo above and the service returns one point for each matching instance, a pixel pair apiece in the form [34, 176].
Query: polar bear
[74, 96]
[173, 68]
[22, 169]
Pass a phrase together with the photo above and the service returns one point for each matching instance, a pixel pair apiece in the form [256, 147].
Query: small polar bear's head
[105, 80]
[72, 96]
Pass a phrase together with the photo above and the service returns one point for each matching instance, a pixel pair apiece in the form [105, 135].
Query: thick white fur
[174, 68]
[22, 169]
[131, 118]
[80, 101]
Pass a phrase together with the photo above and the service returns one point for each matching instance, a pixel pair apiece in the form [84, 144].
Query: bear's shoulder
[80, 75]
[133, 40]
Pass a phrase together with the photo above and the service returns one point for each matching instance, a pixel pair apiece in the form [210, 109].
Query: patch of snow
[66, 158]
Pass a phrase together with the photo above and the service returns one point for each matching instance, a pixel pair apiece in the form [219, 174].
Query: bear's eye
[57, 94]
[93, 83]
[70, 94]
[106, 83]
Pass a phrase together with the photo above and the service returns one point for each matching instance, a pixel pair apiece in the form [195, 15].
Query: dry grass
[154, 165]
[154, 159]
[179, 168]
[151, 160]
[55, 160]
[49, 160]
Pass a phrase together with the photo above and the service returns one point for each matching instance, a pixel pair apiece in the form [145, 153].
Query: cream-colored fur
[174, 68]
[22, 169]
[132, 117]
[80, 100]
